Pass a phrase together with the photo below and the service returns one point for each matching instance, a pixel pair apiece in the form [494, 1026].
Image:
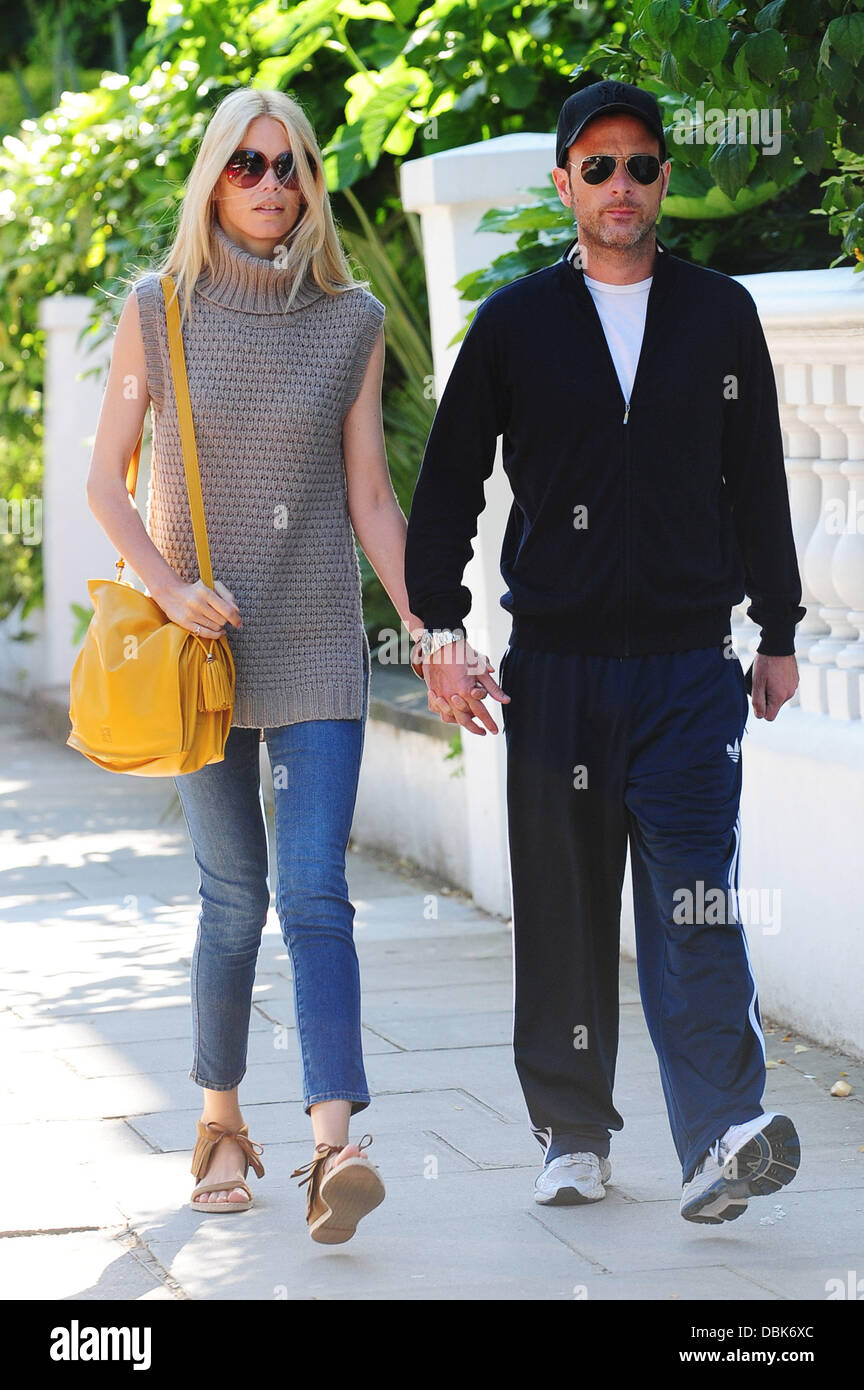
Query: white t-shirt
[622, 311]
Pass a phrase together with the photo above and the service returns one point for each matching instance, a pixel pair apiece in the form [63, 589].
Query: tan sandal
[209, 1135]
[337, 1200]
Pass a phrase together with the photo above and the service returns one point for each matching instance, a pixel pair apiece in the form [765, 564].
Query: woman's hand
[199, 609]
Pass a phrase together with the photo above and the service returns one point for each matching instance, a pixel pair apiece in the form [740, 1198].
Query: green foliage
[20, 561]
[454, 754]
[82, 618]
[52, 46]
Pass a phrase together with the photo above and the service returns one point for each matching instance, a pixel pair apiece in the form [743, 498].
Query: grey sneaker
[571, 1179]
[749, 1160]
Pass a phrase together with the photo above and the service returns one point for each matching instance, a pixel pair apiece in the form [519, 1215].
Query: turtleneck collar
[254, 284]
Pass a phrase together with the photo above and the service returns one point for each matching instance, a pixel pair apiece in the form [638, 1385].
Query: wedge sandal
[209, 1135]
[337, 1200]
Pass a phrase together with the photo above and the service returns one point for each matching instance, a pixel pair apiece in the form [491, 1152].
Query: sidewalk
[98, 905]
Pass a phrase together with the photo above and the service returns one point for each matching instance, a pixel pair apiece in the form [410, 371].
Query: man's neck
[626, 266]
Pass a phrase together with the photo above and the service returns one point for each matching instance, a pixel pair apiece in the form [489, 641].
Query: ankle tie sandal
[337, 1200]
[209, 1135]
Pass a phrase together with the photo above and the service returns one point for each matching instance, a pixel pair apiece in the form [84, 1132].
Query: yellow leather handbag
[147, 696]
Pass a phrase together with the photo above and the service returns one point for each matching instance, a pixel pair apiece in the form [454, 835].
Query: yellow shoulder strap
[187, 431]
[187, 437]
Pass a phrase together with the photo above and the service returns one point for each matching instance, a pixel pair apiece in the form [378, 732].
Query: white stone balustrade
[814, 327]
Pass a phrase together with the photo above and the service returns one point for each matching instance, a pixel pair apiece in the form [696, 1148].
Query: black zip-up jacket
[635, 525]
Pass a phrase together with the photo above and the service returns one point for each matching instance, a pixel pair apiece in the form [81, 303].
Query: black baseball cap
[604, 99]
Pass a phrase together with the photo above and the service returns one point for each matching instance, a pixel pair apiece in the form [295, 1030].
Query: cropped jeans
[315, 767]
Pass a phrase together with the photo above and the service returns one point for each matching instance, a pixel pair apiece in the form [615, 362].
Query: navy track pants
[601, 750]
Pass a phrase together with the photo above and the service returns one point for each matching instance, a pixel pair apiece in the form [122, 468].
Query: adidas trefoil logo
[734, 750]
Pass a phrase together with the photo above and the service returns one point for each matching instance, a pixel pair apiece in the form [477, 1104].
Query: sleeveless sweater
[269, 391]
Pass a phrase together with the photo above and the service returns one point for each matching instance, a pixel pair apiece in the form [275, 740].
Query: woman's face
[259, 218]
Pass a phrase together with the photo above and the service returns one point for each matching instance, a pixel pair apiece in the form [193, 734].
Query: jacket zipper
[592, 307]
[626, 532]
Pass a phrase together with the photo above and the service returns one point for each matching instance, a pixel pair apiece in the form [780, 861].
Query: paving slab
[92, 1266]
[416, 1238]
[638, 1235]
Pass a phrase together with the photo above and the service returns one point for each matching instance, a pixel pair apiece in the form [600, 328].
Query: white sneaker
[749, 1160]
[572, 1179]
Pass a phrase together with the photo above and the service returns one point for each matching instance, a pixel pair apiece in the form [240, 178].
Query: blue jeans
[315, 766]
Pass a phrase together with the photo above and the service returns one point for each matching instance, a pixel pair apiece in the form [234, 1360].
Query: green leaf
[800, 116]
[713, 205]
[669, 71]
[730, 165]
[645, 46]
[824, 51]
[812, 148]
[520, 219]
[839, 76]
[517, 86]
[780, 165]
[768, 16]
[740, 70]
[343, 158]
[710, 42]
[766, 55]
[846, 36]
[470, 94]
[353, 9]
[662, 19]
[682, 39]
[378, 101]
[852, 137]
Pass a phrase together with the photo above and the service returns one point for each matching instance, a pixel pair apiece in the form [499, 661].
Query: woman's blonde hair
[313, 243]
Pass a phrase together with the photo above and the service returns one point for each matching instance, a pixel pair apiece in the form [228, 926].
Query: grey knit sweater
[269, 393]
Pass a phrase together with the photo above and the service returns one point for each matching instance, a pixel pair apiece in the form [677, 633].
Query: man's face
[620, 213]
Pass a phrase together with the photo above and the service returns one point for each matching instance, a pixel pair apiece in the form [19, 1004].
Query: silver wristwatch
[430, 642]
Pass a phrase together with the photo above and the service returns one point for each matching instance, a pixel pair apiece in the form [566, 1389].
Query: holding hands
[458, 680]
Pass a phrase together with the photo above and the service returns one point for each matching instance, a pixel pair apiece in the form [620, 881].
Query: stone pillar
[75, 546]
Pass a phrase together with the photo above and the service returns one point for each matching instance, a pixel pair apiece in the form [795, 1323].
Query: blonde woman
[285, 353]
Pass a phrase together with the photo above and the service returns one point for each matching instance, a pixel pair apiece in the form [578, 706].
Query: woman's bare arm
[121, 416]
[378, 520]
[380, 527]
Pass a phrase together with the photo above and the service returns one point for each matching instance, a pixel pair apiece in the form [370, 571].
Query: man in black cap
[636, 400]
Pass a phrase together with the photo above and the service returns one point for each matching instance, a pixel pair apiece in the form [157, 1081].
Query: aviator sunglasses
[597, 168]
[246, 168]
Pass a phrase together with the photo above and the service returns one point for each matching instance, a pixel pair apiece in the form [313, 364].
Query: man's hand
[458, 680]
[775, 680]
